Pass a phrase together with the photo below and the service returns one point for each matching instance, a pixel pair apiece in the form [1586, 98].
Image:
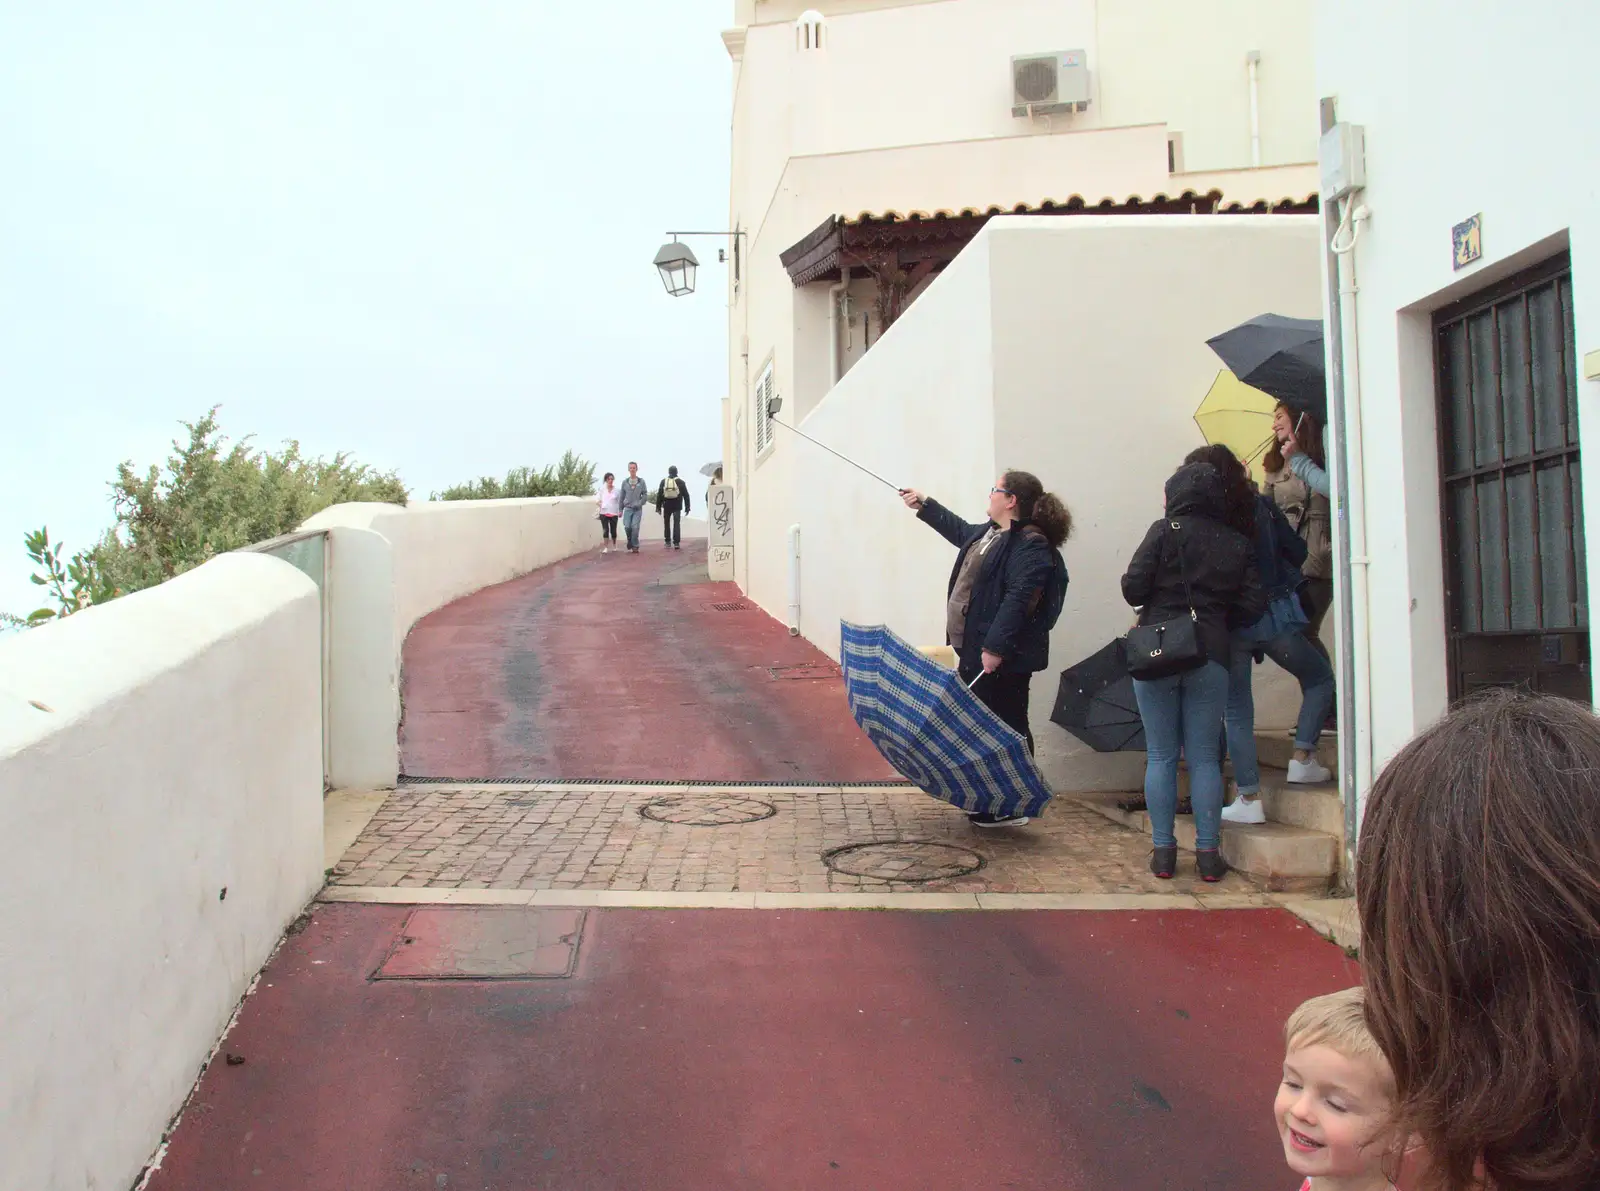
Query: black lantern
[677, 265]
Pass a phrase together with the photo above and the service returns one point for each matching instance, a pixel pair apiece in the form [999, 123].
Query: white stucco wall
[446, 549]
[841, 132]
[1100, 360]
[391, 566]
[898, 76]
[1527, 160]
[1073, 348]
[363, 661]
[180, 754]
[1184, 65]
[918, 410]
[1158, 61]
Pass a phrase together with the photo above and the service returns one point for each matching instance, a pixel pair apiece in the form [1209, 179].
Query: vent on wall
[1048, 84]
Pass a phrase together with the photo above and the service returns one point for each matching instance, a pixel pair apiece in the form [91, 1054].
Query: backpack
[669, 488]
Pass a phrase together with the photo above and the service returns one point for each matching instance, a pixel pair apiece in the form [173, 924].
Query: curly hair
[1039, 508]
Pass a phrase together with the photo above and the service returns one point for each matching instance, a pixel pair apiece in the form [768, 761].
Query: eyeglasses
[1000, 492]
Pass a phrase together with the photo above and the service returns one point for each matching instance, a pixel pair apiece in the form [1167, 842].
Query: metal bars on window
[1513, 498]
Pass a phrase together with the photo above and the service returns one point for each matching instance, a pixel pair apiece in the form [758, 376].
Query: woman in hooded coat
[1191, 564]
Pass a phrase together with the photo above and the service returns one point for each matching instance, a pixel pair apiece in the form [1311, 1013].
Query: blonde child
[1335, 1104]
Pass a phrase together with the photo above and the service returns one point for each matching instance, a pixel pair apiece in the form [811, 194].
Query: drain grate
[911, 861]
[804, 670]
[722, 783]
[731, 606]
[707, 810]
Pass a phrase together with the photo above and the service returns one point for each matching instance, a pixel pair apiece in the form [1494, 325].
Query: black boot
[1211, 865]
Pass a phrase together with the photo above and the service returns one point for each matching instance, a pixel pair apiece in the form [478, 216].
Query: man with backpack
[672, 502]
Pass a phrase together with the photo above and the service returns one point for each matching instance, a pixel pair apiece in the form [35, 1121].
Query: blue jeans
[1184, 714]
[630, 522]
[1296, 654]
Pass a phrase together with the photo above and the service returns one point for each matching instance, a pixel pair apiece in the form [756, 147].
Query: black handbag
[1172, 646]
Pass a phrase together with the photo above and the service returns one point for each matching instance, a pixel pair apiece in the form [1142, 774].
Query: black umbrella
[1280, 356]
[1096, 703]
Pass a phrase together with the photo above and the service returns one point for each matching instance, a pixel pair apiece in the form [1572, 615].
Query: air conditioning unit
[1048, 84]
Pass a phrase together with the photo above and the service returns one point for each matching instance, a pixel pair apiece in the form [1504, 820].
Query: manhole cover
[485, 943]
[903, 860]
[708, 810]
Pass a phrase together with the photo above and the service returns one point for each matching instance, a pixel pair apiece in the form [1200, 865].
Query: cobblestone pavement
[763, 840]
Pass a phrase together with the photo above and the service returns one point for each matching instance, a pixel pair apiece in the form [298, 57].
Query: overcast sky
[420, 233]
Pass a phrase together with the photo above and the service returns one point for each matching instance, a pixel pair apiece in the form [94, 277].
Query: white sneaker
[1309, 773]
[605, 549]
[1245, 811]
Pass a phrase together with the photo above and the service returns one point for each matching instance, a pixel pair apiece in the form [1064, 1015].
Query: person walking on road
[610, 502]
[635, 493]
[1005, 595]
[1191, 568]
[672, 502]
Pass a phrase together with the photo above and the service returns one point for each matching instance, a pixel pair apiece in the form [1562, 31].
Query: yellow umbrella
[1239, 417]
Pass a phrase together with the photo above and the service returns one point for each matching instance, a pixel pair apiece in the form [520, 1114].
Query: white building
[872, 142]
[872, 139]
[1473, 337]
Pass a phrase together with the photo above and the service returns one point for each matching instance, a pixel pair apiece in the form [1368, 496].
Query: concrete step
[1277, 748]
[1282, 857]
[1320, 808]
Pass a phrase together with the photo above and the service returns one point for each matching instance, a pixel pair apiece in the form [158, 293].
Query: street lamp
[677, 263]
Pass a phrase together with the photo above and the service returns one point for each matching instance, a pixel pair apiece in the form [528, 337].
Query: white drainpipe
[1254, 58]
[835, 292]
[1356, 754]
[794, 581]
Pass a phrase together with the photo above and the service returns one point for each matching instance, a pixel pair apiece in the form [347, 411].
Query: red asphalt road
[791, 1051]
[593, 669]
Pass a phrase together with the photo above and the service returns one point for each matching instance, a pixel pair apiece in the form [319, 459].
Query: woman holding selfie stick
[1005, 595]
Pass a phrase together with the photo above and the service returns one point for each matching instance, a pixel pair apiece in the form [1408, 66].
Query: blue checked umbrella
[926, 724]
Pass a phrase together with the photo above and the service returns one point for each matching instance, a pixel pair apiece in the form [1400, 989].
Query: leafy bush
[573, 476]
[209, 499]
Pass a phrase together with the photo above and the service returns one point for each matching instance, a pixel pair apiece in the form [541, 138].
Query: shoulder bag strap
[1183, 573]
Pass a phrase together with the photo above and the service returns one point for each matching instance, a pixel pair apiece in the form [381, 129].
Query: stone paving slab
[551, 837]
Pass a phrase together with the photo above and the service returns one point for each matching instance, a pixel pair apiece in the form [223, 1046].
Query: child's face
[1331, 1112]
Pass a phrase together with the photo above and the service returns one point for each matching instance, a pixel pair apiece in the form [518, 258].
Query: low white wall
[153, 752]
[363, 660]
[446, 549]
[391, 566]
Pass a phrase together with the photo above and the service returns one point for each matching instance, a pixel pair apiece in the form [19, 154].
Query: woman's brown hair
[1307, 432]
[1039, 508]
[1478, 885]
[1238, 496]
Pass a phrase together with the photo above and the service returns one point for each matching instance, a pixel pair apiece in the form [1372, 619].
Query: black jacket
[682, 501]
[1016, 596]
[1220, 562]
